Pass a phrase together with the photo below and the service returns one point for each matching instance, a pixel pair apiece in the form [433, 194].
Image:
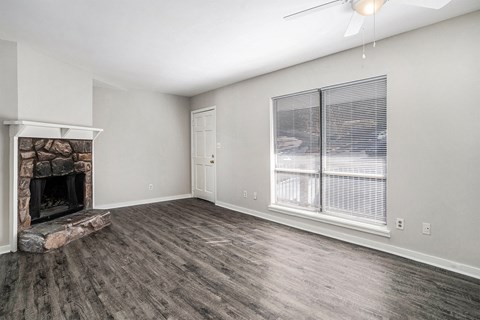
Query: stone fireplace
[54, 179]
[51, 180]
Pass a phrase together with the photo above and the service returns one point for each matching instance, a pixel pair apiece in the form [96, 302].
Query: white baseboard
[5, 249]
[144, 201]
[398, 251]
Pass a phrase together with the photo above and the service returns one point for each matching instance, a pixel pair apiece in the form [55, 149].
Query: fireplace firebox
[53, 197]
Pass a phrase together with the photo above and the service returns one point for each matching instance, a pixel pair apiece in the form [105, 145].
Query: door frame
[192, 177]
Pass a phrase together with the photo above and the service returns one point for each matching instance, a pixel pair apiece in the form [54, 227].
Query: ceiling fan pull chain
[374, 23]
[363, 43]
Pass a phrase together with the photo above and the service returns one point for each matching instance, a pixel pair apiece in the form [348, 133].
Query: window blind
[354, 167]
[297, 150]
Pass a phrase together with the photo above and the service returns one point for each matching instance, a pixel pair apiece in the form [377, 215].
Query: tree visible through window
[330, 150]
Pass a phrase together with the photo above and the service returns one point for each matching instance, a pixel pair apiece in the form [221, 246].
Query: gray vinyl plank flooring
[188, 259]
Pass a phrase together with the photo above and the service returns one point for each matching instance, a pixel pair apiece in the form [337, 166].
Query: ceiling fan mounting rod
[326, 4]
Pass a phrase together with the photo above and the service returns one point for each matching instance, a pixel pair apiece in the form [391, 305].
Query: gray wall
[52, 91]
[433, 134]
[8, 110]
[146, 141]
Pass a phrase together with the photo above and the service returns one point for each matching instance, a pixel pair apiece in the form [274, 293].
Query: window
[297, 150]
[330, 150]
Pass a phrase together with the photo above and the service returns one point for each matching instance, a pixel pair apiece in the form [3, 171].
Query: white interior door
[203, 154]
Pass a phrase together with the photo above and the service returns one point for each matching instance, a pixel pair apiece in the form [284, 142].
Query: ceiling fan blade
[356, 23]
[323, 6]
[431, 4]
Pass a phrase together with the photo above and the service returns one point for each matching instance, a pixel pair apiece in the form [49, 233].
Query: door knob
[211, 161]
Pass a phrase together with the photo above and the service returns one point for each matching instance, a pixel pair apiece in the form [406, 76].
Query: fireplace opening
[53, 197]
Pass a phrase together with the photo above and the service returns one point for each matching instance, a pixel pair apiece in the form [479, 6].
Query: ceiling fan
[363, 8]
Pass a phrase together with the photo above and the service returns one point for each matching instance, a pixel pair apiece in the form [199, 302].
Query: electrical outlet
[426, 228]
[245, 193]
[150, 186]
[400, 223]
[254, 196]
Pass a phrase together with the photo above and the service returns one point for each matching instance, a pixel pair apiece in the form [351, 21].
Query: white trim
[13, 216]
[295, 94]
[4, 249]
[358, 81]
[204, 109]
[93, 173]
[304, 171]
[379, 230]
[36, 129]
[273, 183]
[351, 174]
[144, 201]
[212, 108]
[64, 127]
[450, 265]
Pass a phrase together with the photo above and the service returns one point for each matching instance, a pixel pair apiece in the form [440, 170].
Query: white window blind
[297, 150]
[330, 150]
[354, 149]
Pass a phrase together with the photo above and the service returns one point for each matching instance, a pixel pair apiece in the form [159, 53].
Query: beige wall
[146, 141]
[433, 136]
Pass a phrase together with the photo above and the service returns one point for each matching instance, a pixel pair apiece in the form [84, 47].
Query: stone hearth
[57, 233]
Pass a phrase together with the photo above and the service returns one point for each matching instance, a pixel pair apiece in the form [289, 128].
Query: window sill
[382, 231]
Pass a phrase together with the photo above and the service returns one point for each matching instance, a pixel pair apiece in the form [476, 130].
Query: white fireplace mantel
[24, 128]
[34, 129]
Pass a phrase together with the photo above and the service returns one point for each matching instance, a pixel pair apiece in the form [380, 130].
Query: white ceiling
[186, 47]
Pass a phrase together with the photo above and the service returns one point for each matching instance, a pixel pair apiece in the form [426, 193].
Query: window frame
[334, 218]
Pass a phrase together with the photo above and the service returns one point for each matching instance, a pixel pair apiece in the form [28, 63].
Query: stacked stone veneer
[42, 158]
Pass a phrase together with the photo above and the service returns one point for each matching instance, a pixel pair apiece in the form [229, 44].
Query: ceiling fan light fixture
[367, 7]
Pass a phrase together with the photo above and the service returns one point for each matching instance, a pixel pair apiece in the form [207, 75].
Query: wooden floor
[188, 259]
